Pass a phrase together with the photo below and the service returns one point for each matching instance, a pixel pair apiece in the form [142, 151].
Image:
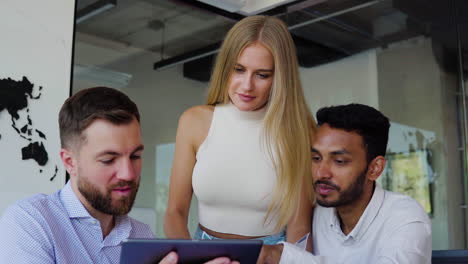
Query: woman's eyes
[259, 75]
[263, 76]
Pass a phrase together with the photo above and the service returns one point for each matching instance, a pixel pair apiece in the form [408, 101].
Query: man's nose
[127, 171]
[322, 171]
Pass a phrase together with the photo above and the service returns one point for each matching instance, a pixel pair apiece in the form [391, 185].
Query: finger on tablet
[221, 260]
[170, 258]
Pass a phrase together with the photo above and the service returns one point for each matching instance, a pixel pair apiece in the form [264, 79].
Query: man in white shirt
[356, 221]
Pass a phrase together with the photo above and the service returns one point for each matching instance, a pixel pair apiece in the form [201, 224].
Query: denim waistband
[268, 240]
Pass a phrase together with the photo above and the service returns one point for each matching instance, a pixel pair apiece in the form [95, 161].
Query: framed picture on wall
[410, 173]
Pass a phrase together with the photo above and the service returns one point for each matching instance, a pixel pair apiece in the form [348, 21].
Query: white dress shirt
[394, 228]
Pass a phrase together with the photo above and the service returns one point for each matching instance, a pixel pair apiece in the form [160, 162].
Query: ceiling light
[246, 7]
[228, 5]
[101, 76]
[94, 9]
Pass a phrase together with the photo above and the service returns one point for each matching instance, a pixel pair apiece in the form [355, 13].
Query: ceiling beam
[94, 9]
[211, 9]
[212, 49]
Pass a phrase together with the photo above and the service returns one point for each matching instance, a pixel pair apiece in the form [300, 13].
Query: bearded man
[355, 220]
[86, 221]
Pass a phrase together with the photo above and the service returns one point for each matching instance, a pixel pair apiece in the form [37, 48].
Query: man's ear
[376, 167]
[69, 161]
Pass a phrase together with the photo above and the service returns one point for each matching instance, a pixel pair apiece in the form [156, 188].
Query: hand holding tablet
[172, 258]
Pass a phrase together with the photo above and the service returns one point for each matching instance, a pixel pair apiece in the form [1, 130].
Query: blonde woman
[246, 153]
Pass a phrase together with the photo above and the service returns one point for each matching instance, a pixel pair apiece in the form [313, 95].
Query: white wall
[414, 91]
[350, 80]
[36, 42]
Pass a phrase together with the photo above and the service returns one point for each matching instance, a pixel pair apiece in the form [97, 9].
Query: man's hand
[270, 254]
[172, 258]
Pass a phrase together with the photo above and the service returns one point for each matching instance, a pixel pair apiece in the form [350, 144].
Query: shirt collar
[72, 204]
[121, 231]
[75, 209]
[367, 217]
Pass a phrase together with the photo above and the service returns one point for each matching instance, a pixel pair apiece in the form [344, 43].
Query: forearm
[295, 235]
[300, 226]
[301, 223]
[175, 226]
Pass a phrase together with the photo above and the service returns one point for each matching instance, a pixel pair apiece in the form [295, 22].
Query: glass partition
[398, 56]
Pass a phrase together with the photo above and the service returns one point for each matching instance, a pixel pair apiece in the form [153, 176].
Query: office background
[403, 57]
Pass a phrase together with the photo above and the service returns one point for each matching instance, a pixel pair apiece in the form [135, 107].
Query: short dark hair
[81, 109]
[368, 122]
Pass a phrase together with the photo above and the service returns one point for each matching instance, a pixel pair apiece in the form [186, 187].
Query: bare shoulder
[197, 115]
[197, 120]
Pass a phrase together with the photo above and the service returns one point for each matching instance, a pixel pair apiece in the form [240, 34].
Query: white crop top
[233, 178]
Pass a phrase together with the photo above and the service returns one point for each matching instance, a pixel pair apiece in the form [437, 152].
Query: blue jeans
[268, 240]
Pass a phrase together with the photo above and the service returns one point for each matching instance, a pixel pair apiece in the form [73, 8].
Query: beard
[345, 197]
[103, 202]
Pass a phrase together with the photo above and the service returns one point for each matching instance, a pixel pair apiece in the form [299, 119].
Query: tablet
[149, 251]
[449, 256]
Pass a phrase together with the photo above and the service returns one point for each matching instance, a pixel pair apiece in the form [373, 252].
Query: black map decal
[14, 99]
[37, 152]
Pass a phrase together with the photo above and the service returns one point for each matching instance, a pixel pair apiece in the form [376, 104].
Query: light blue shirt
[57, 228]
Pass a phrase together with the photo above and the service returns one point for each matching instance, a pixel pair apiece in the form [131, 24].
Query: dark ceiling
[351, 26]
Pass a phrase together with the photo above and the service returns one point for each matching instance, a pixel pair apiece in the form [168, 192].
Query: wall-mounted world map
[15, 96]
[35, 80]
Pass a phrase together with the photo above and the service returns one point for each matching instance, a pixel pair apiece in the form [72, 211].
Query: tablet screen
[149, 251]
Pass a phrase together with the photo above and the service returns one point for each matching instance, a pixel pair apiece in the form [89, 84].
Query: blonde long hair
[289, 125]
